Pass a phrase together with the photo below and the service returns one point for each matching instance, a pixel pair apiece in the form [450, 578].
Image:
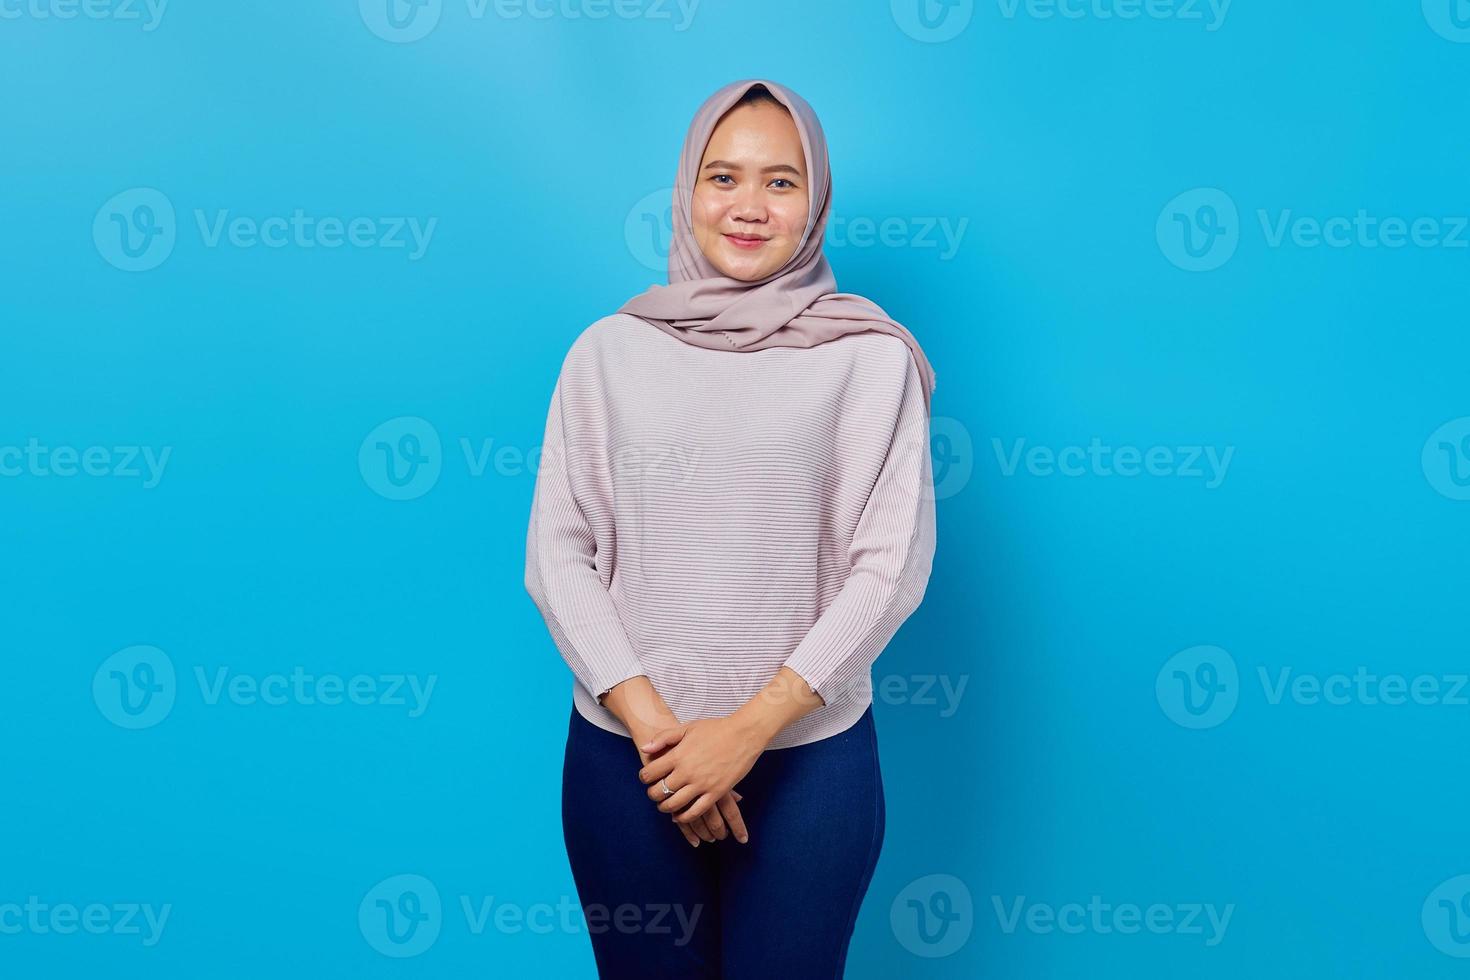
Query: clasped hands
[702, 760]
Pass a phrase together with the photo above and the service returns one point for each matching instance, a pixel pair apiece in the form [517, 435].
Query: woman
[733, 515]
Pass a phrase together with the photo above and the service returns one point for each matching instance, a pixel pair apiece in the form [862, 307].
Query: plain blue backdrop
[286, 288]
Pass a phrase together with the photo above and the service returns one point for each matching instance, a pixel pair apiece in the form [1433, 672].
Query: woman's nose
[749, 205]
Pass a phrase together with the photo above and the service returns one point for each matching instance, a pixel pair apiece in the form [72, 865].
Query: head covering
[795, 306]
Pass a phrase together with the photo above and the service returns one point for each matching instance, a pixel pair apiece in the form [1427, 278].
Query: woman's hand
[701, 761]
[715, 825]
[642, 710]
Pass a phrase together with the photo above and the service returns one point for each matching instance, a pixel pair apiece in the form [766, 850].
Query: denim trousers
[782, 905]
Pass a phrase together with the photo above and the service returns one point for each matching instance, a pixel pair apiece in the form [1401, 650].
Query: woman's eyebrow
[779, 168]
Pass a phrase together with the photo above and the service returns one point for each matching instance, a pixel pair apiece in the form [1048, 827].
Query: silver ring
[664, 783]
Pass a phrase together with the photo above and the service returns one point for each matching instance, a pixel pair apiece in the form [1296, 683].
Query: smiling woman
[751, 206]
[721, 619]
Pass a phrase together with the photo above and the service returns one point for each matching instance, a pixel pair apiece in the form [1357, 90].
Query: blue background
[1070, 767]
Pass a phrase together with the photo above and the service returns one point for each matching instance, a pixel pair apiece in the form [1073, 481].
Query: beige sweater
[703, 517]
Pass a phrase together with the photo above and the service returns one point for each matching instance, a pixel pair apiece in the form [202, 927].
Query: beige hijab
[795, 306]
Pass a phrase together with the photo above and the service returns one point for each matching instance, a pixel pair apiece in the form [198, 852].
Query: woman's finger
[704, 830]
[656, 792]
[698, 808]
[664, 738]
[656, 769]
[730, 810]
[689, 835]
[715, 823]
[683, 796]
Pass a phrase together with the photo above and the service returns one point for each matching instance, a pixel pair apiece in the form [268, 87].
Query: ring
[665, 785]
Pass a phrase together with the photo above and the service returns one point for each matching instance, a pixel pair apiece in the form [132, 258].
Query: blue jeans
[782, 905]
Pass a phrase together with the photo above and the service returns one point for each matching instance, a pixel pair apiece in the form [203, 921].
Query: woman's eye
[716, 178]
[783, 180]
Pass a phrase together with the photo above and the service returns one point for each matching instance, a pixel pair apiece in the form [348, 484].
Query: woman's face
[750, 196]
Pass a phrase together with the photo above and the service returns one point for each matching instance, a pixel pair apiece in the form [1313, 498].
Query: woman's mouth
[747, 242]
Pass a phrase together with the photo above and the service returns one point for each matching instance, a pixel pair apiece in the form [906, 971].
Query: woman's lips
[749, 244]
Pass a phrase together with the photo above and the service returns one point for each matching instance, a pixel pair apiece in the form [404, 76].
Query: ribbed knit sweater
[703, 517]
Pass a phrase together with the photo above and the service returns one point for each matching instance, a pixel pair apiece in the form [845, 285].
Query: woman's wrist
[636, 704]
[781, 702]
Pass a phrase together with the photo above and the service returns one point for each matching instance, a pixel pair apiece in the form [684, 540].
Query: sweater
[703, 517]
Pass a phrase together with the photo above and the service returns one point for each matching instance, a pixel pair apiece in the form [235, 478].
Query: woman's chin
[746, 268]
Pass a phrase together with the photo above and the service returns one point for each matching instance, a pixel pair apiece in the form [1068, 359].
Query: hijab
[797, 305]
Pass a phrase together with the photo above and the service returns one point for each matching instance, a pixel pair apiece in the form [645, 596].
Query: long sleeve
[562, 575]
[891, 556]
